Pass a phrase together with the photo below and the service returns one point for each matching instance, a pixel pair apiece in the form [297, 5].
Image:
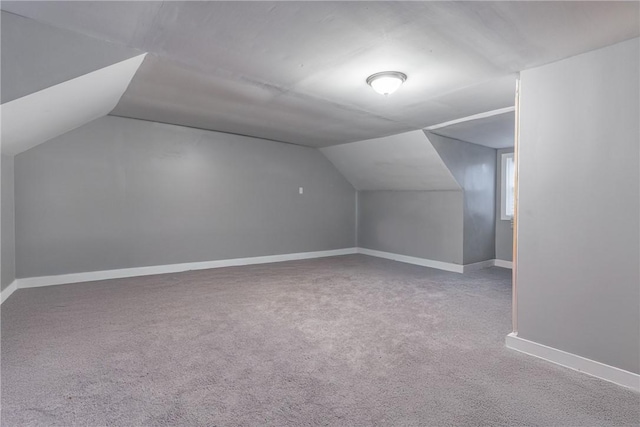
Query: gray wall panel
[120, 193]
[474, 167]
[423, 224]
[7, 215]
[579, 212]
[504, 231]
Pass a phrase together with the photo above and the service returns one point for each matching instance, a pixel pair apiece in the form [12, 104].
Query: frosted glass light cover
[387, 82]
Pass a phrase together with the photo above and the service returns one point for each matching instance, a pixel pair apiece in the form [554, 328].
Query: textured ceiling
[40, 116]
[493, 132]
[295, 71]
[407, 161]
[35, 56]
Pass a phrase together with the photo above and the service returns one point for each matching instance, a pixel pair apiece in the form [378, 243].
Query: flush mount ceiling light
[386, 82]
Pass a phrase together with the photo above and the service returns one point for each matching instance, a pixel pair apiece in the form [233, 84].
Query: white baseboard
[456, 268]
[6, 293]
[440, 265]
[575, 362]
[32, 282]
[502, 263]
[467, 268]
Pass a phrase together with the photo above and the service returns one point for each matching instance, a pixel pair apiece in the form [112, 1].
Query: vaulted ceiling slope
[40, 116]
[406, 161]
[55, 80]
[295, 71]
[35, 56]
[496, 131]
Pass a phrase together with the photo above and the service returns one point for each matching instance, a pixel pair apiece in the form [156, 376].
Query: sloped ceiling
[35, 56]
[494, 132]
[295, 71]
[40, 116]
[406, 161]
[54, 80]
[168, 92]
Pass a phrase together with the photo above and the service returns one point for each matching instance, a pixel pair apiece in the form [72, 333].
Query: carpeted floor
[349, 341]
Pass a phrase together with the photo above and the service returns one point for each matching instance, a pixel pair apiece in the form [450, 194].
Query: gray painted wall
[120, 193]
[7, 222]
[579, 212]
[423, 224]
[504, 231]
[474, 167]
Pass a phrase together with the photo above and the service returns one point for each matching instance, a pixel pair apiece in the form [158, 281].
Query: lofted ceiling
[406, 161]
[36, 56]
[36, 118]
[495, 131]
[295, 71]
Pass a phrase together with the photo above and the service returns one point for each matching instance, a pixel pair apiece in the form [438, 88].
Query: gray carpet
[348, 341]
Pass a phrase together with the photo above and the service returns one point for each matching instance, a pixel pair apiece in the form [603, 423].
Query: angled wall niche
[422, 195]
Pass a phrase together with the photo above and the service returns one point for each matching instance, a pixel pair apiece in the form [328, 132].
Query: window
[508, 187]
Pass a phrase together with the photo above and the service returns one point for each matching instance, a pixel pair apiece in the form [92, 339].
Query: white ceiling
[38, 117]
[406, 161]
[35, 56]
[495, 131]
[295, 71]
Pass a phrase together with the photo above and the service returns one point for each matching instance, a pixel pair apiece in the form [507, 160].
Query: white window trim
[503, 187]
